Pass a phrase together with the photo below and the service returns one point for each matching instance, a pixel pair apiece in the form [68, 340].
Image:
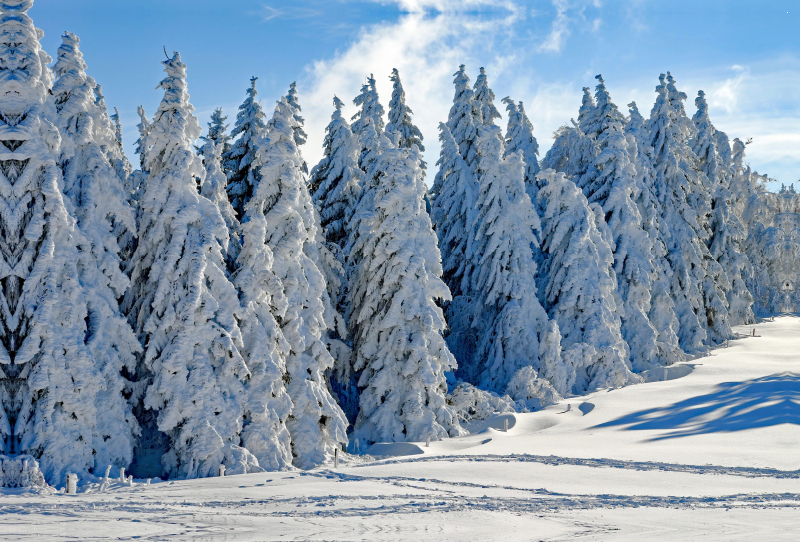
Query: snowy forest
[216, 300]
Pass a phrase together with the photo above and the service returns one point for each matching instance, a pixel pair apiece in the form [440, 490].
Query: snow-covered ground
[713, 453]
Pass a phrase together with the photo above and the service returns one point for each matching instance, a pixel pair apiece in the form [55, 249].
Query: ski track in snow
[749, 472]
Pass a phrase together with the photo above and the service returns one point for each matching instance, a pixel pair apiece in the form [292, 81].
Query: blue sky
[744, 54]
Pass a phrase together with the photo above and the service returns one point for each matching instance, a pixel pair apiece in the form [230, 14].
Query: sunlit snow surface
[712, 454]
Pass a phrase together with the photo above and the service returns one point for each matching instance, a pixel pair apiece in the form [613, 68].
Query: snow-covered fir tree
[507, 319]
[182, 305]
[578, 288]
[400, 117]
[370, 113]
[99, 202]
[615, 190]
[685, 206]
[464, 119]
[218, 130]
[50, 381]
[282, 210]
[335, 188]
[395, 322]
[484, 96]
[237, 163]
[334, 182]
[727, 231]
[300, 136]
[452, 212]
[370, 108]
[662, 309]
[519, 137]
[214, 188]
[141, 143]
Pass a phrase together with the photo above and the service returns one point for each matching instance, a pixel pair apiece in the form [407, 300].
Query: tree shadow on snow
[734, 406]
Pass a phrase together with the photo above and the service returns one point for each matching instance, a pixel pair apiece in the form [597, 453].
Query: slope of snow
[710, 452]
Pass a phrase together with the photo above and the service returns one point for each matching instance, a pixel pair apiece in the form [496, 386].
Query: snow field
[565, 473]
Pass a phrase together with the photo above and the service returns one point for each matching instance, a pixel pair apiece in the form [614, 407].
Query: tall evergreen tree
[50, 382]
[484, 96]
[141, 143]
[99, 202]
[300, 136]
[218, 130]
[370, 108]
[335, 188]
[282, 205]
[727, 231]
[400, 116]
[508, 320]
[699, 304]
[464, 119]
[214, 189]
[182, 305]
[237, 163]
[452, 212]
[519, 137]
[615, 190]
[578, 288]
[662, 309]
[395, 322]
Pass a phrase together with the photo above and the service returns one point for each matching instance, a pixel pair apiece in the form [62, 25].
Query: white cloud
[426, 49]
[559, 30]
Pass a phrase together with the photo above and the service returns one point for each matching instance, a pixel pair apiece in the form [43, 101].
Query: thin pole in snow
[122, 474]
[428, 442]
[505, 425]
[336, 458]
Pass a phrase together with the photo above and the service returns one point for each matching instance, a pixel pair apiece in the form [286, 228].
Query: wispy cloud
[559, 29]
[270, 13]
[426, 48]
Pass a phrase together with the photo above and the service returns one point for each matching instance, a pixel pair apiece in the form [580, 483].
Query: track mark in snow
[747, 472]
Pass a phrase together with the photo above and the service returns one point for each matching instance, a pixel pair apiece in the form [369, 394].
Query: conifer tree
[507, 317]
[452, 212]
[519, 137]
[578, 288]
[282, 206]
[237, 163]
[300, 136]
[141, 143]
[335, 188]
[334, 182]
[214, 189]
[464, 119]
[217, 130]
[726, 228]
[685, 205]
[99, 202]
[395, 322]
[370, 108]
[615, 190]
[182, 305]
[400, 116]
[455, 192]
[662, 309]
[484, 96]
[50, 381]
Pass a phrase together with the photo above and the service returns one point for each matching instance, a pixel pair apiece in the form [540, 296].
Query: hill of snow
[711, 452]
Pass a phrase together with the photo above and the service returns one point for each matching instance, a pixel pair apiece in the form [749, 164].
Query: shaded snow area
[711, 452]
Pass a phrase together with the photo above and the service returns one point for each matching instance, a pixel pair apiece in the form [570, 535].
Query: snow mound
[21, 472]
[393, 449]
[666, 373]
[495, 422]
